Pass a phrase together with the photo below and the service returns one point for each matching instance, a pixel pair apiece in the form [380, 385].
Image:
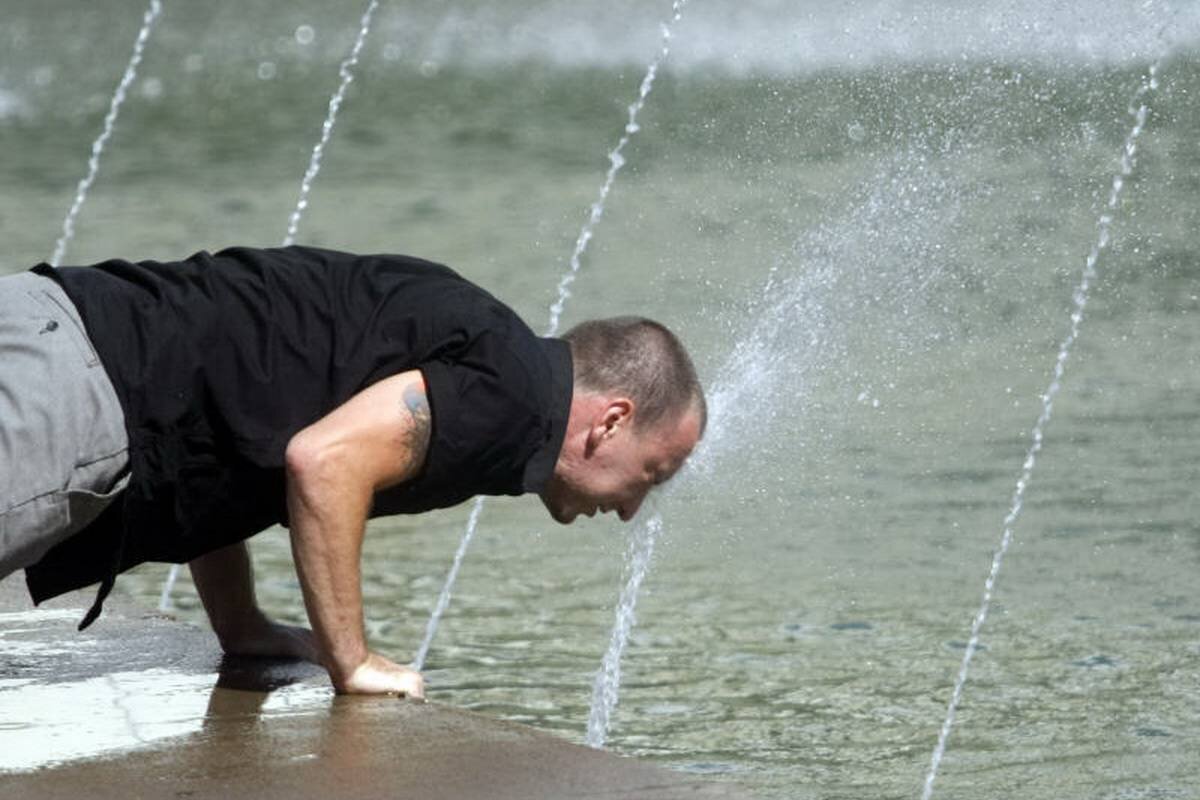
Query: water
[920, 217]
[798, 329]
[443, 601]
[1104, 226]
[110, 122]
[346, 74]
[615, 162]
[168, 588]
[595, 214]
[606, 687]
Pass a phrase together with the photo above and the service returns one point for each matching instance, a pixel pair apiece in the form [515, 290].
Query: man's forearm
[224, 580]
[327, 516]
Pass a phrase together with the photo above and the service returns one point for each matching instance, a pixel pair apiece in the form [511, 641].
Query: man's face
[618, 466]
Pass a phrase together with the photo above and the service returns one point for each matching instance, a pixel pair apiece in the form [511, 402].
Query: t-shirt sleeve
[486, 417]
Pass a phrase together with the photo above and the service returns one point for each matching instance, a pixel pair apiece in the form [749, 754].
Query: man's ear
[618, 414]
[614, 416]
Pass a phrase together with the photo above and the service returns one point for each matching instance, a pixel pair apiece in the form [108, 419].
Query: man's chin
[561, 516]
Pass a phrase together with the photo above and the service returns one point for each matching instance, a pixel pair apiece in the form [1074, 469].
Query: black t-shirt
[220, 359]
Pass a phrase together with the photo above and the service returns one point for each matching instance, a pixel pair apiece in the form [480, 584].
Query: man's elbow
[308, 461]
[319, 468]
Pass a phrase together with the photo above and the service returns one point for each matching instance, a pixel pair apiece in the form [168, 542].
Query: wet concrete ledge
[140, 706]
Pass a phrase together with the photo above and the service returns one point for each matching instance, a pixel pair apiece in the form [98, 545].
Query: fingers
[378, 675]
[266, 639]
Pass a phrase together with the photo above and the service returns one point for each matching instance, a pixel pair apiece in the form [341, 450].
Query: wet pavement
[142, 706]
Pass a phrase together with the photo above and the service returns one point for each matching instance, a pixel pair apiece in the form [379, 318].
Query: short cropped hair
[642, 359]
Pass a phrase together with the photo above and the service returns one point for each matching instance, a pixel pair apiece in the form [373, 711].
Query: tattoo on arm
[417, 437]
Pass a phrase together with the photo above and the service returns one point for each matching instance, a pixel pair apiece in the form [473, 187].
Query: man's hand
[267, 639]
[225, 582]
[378, 675]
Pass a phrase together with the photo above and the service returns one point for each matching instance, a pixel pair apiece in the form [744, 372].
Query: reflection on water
[45, 724]
[66, 696]
[51, 723]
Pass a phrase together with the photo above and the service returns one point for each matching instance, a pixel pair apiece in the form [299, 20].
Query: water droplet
[851, 626]
[1094, 662]
[1152, 732]
[305, 34]
[266, 70]
[152, 88]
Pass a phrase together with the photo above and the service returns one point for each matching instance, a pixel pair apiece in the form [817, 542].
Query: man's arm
[377, 439]
[225, 582]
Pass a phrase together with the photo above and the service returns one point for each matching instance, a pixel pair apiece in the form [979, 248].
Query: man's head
[637, 412]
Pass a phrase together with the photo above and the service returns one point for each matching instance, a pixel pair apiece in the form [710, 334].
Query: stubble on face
[656, 455]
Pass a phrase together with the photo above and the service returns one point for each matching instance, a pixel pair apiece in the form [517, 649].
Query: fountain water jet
[615, 160]
[443, 600]
[1138, 110]
[801, 323]
[608, 679]
[346, 72]
[110, 121]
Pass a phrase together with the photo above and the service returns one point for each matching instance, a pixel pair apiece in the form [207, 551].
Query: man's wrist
[342, 665]
[235, 632]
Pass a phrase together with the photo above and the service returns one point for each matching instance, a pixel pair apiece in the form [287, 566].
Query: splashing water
[444, 598]
[608, 679]
[164, 599]
[873, 265]
[1138, 110]
[346, 71]
[827, 286]
[110, 121]
[615, 162]
[801, 324]
[778, 37]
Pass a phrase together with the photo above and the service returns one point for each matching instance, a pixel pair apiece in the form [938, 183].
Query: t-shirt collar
[540, 466]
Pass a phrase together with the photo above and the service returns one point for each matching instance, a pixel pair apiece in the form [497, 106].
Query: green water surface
[898, 241]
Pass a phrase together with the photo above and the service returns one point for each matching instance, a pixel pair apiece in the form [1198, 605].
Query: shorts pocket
[84, 506]
[60, 317]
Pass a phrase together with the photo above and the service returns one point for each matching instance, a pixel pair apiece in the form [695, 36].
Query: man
[167, 412]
